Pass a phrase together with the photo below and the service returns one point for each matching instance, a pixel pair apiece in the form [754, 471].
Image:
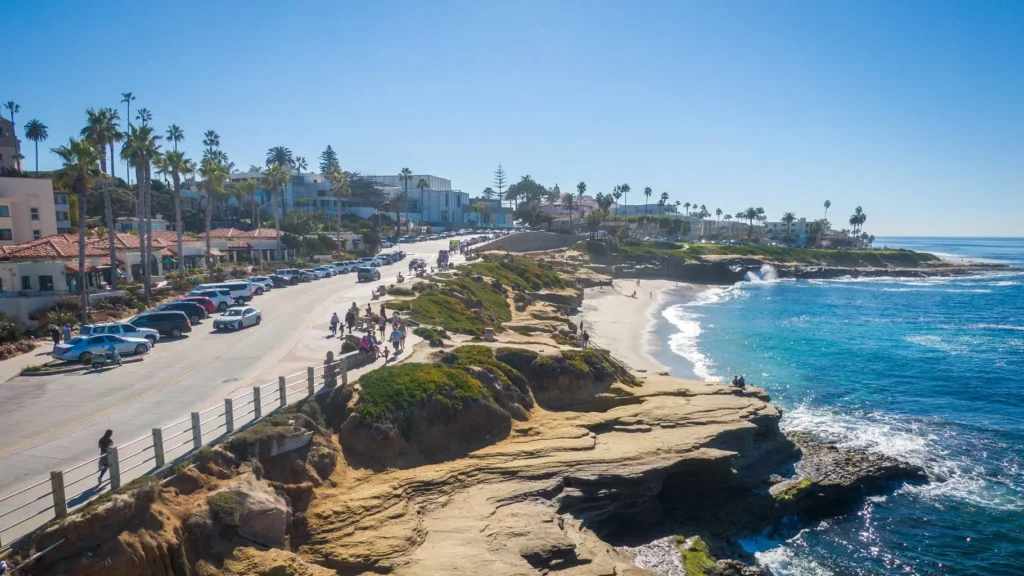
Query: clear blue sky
[912, 109]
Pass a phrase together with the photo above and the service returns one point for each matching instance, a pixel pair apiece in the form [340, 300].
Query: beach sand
[625, 325]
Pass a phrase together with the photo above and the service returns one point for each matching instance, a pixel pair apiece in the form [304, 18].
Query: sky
[913, 110]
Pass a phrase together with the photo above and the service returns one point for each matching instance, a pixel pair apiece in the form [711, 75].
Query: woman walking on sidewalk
[104, 464]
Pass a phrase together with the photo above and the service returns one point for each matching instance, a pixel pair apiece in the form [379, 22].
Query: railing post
[309, 381]
[197, 432]
[60, 504]
[158, 447]
[114, 467]
[282, 391]
[229, 415]
[257, 409]
[344, 370]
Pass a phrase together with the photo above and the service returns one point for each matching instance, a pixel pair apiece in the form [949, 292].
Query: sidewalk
[12, 366]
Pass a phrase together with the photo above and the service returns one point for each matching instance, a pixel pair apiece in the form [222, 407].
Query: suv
[260, 284]
[323, 271]
[167, 323]
[221, 297]
[193, 310]
[367, 274]
[120, 329]
[344, 267]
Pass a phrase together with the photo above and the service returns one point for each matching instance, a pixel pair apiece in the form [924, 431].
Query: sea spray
[768, 273]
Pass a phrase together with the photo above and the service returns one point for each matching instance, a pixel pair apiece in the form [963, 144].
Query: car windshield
[232, 312]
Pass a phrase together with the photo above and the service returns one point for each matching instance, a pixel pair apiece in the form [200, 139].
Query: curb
[72, 369]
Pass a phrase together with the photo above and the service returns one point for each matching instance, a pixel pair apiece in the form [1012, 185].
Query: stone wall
[530, 242]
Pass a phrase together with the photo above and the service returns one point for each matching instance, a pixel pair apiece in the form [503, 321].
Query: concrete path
[53, 422]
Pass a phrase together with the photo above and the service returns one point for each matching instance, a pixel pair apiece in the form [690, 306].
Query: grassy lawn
[459, 305]
[390, 394]
[517, 272]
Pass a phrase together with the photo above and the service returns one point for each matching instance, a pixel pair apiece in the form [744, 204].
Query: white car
[120, 329]
[386, 244]
[261, 281]
[82, 348]
[341, 267]
[368, 262]
[323, 271]
[237, 318]
[222, 297]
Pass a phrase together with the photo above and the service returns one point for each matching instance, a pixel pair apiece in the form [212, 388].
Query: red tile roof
[64, 246]
[224, 233]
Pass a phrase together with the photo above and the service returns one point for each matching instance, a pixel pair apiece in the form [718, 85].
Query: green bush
[390, 394]
[518, 358]
[479, 356]
[33, 368]
[400, 291]
[347, 346]
[435, 336]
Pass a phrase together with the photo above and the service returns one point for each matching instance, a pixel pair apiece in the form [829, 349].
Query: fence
[31, 507]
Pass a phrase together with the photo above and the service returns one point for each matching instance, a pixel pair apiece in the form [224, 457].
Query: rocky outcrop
[258, 512]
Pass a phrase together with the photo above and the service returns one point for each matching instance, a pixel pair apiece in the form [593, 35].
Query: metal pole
[158, 447]
[309, 381]
[257, 409]
[60, 505]
[229, 415]
[197, 433]
[114, 464]
[344, 371]
[282, 391]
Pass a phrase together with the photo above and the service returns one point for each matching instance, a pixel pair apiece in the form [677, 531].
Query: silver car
[82, 348]
[237, 318]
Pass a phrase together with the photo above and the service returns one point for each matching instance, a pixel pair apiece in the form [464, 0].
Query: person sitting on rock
[742, 382]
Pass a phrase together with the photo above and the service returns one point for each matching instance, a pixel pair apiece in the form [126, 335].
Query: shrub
[475, 355]
[400, 291]
[435, 336]
[347, 346]
[33, 368]
[518, 358]
[390, 394]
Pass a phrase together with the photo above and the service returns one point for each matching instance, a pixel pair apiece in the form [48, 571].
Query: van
[171, 323]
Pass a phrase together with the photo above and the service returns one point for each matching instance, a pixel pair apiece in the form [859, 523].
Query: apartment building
[9, 146]
[27, 210]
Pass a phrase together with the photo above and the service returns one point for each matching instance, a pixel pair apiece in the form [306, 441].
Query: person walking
[396, 339]
[383, 312]
[55, 335]
[401, 330]
[105, 443]
[334, 324]
[67, 332]
[382, 325]
[586, 338]
[350, 319]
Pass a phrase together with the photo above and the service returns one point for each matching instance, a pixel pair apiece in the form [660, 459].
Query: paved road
[53, 422]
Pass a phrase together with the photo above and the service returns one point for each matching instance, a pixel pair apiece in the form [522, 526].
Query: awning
[215, 252]
[169, 260]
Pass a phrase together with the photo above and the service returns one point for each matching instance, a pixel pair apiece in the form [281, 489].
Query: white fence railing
[23, 511]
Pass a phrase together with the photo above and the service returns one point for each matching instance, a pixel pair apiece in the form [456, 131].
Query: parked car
[240, 290]
[323, 271]
[120, 329]
[367, 261]
[291, 274]
[237, 318]
[279, 281]
[82, 348]
[221, 297]
[367, 274]
[167, 322]
[386, 244]
[194, 311]
[203, 301]
[309, 274]
[262, 284]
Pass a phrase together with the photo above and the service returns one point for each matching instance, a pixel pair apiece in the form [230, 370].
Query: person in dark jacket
[105, 443]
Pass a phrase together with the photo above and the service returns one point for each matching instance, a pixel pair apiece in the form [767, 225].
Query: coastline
[618, 322]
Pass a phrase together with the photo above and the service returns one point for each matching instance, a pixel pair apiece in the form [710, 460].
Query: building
[132, 224]
[27, 210]
[62, 208]
[494, 215]
[256, 246]
[10, 146]
[440, 204]
[799, 231]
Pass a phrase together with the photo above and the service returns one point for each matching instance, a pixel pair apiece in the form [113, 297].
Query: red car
[203, 301]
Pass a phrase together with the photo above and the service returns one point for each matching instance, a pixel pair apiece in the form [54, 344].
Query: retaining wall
[530, 242]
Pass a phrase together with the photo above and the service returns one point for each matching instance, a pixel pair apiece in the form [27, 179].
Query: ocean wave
[955, 345]
[996, 327]
[684, 341]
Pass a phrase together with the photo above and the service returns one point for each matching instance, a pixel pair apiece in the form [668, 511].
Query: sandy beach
[625, 325]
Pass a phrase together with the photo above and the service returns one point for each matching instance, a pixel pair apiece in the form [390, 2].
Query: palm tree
[144, 116]
[127, 98]
[687, 206]
[36, 131]
[340, 188]
[175, 134]
[647, 198]
[277, 178]
[569, 203]
[142, 150]
[789, 218]
[178, 164]
[212, 141]
[828, 205]
[95, 131]
[750, 214]
[423, 185]
[13, 109]
[213, 174]
[299, 164]
[662, 200]
[405, 175]
[625, 193]
[80, 158]
[281, 156]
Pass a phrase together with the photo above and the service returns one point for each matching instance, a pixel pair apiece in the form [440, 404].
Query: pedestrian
[55, 335]
[401, 330]
[396, 339]
[369, 310]
[383, 312]
[350, 319]
[67, 332]
[334, 324]
[586, 338]
[105, 443]
[742, 382]
[382, 325]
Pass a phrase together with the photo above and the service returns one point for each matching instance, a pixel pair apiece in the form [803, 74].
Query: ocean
[926, 370]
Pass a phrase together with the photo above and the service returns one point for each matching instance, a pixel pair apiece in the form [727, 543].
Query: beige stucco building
[9, 145]
[27, 210]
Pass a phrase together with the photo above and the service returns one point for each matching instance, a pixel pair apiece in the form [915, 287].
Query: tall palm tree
[789, 218]
[142, 150]
[340, 189]
[247, 188]
[144, 116]
[625, 194]
[213, 174]
[647, 197]
[422, 185]
[662, 200]
[405, 175]
[127, 98]
[277, 179]
[178, 165]
[828, 205]
[212, 141]
[280, 155]
[80, 158]
[175, 134]
[112, 133]
[96, 132]
[37, 132]
[581, 189]
[569, 203]
[300, 165]
[13, 108]
[687, 206]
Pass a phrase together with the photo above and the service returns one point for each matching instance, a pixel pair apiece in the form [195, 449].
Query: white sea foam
[996, 327]
[768, 273]
[685, 318]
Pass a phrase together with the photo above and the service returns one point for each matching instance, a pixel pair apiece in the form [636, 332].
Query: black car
[167, 323]
[194, 311]
[367, 274]
[279, 281]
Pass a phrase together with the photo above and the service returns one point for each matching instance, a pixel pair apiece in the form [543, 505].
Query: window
[46, 283]
[34, 212]
[26, 282]
[5, 210]
[36, 235]
[63, 217]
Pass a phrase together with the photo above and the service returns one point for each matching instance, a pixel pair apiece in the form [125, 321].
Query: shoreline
[618, 322]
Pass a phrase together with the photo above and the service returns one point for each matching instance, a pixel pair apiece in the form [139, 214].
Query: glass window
[6, 234]
[5, 211]
[36, 235]
[45, 283]
[34, 212]
[26, 282]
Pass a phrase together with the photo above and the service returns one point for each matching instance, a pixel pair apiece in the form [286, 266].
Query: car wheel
[176, 333]
[293, 281]
[258, 320]
[141, 349]
[259, 291]
[193, 319]
[152, 340]
[85, 358]
[222, 306]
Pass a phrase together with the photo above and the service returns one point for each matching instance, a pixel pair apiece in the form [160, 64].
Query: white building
[26, 210]
[130, 224]
[800, 231]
